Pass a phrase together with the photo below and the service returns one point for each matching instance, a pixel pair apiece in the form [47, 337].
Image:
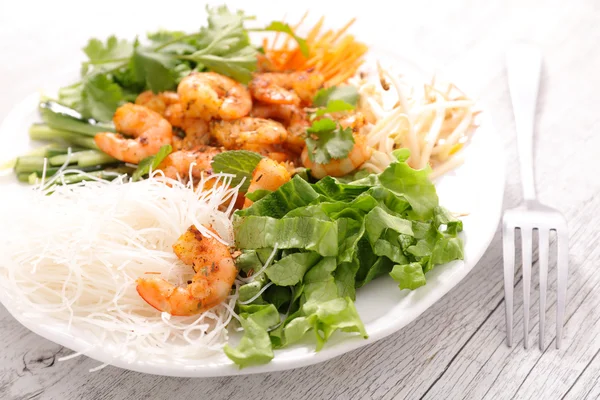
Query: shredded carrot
[335, 54]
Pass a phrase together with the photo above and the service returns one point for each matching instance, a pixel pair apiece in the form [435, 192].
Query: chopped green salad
[307, 247]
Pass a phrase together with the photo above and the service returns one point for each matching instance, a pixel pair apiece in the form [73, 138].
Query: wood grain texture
[455, 350]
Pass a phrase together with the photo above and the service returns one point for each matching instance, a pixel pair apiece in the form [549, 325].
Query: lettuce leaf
[413, 185]
[291, 195]
[255, 346]
[290, 233]
[291, 269]
[408, 276]
[337, 235]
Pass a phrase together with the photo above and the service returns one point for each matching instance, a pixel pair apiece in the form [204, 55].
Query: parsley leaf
[347, 93]
[240, 163]
[278, 26]
[151, 163]
[327, 140]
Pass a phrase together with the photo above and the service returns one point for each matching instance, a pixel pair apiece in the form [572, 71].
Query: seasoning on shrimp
[168, 104]
[244, 132]
[285, 88]
[210, 286]
[150, 131]
[178, 163]
[293, 117]
[210, 95]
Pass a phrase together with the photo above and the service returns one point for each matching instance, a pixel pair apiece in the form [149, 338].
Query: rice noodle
[70, 259]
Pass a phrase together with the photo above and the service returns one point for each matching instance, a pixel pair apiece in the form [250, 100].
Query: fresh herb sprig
[326, 138]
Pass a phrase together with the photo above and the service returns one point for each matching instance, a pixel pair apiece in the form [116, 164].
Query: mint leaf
[151, 163]
[278, 26]
[240, 163]
[327, 140]
[346, 93]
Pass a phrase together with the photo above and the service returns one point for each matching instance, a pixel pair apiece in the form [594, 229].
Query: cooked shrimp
[293, 117]
[285, 88]
[209, 95]
[244, 132]
[268, 175]
[215, 274]
[149, 129]
[169, 106]
[359, 154]
[158, 102]
[177, 164]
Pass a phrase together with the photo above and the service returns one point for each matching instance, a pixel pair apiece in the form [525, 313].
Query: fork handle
[524, 63]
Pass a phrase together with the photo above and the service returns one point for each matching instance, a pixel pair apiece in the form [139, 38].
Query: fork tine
[543, 259]
[526, 250]
[562, 272]
[508, 247]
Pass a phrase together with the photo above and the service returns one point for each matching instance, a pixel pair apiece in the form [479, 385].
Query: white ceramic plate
[475, 188]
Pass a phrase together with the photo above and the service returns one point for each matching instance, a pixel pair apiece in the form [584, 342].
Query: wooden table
[457, 348]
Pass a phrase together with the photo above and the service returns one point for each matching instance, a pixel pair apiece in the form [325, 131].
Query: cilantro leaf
[237, 65]
[334, 106]
[225, 46]
[347, 93]
[100, 97]
[114, 48]
[327, 140]
[151, 163]
[71, 96]
[278, 26]
[153, 68]
[240, 163]
[162, 36]
[105, 56]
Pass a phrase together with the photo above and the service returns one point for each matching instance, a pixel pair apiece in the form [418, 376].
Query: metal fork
[523, 66]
